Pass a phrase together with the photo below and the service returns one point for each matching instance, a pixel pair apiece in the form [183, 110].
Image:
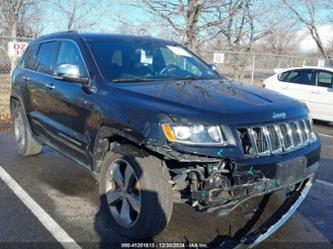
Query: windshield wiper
[138, 79]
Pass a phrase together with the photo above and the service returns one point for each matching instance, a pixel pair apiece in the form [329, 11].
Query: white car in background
[311, 85]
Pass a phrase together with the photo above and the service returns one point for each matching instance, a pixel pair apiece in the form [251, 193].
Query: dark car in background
[156, 125]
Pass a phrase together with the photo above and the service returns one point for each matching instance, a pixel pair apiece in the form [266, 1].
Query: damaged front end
[293, 200]
[259, 160]
[225, 185]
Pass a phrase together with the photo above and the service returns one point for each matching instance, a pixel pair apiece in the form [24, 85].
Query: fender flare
[111, 139]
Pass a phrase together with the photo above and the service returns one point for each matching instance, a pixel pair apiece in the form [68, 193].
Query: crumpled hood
[212, 99]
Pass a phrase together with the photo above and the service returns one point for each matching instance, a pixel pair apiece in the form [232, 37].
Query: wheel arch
[111, 139]
[13, 102]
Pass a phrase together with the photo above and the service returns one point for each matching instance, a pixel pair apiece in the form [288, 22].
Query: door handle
[284, 87]
[50, 86]
[315, 92]
[26, 78]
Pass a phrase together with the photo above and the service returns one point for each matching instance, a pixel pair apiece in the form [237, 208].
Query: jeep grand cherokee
[157, 125]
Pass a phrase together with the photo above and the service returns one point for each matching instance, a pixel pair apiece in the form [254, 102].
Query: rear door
[40, 88]
[321, 99]
[298, 84]
[26, 72]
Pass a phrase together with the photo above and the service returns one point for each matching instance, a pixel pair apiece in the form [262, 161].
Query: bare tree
[284, 36]
[281, 40]
[19, 18]
[239, 28]
[231, 22]
[82, 15]
[188, 18]
[305, 11]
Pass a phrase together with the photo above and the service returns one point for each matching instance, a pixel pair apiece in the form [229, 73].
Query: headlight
[194, 134]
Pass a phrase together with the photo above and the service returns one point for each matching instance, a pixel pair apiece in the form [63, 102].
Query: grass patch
[4, 109]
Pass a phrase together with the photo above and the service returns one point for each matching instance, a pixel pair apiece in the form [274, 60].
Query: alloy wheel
[19, 130]
[123, 193]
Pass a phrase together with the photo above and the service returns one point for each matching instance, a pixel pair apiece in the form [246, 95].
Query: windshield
[140, 60]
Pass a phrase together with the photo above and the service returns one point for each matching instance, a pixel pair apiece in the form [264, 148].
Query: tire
[26, 145]
[148, 186]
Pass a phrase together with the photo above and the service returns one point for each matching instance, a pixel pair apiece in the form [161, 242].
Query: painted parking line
[325, 135]
[47, 221]
[325, 183]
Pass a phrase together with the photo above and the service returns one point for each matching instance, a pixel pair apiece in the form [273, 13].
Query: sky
[110, 14]
[326, 34]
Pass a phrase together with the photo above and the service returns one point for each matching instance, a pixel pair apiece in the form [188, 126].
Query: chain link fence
[7, 63]
[253, 67]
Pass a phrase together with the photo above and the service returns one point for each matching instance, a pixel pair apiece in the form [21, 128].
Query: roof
[280, 70]
[99, 36]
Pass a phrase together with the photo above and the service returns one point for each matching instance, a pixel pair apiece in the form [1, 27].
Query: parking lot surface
[48, 198]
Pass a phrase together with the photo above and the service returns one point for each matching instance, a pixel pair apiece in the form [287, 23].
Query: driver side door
[71, 105]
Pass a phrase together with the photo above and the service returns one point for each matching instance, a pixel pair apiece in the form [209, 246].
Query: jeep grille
[275, 139]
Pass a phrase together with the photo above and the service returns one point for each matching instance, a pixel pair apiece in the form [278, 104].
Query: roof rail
[58, 33]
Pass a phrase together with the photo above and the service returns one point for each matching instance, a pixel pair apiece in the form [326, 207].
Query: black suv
[157, 125]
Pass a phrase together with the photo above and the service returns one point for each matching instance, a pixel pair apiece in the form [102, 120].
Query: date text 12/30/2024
[164, 245]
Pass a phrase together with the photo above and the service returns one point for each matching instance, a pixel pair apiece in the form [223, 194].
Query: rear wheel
[137, 195]
[26, 145]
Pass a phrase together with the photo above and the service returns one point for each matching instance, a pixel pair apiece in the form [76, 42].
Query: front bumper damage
[253, 183]
[200, 181]
[275, 221]
[225, 184]
[213, 181]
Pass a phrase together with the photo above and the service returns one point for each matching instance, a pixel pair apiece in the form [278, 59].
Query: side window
[29, 57]
[45, 57]
[70, 54]
[283, 76]
[304, 77]
[325, 79]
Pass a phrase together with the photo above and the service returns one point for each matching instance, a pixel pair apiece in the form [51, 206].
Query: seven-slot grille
[275, 139]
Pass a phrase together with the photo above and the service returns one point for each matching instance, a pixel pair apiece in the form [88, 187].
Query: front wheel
[137, 194]
[25, 143]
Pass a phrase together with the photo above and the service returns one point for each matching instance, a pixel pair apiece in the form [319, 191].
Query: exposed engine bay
[223, 186]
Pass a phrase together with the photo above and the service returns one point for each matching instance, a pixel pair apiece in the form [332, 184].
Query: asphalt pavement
[48, 198]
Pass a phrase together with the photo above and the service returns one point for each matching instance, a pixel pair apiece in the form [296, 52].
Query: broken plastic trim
[282, 215]
[285, 217]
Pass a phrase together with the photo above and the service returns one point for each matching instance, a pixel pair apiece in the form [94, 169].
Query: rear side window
[304, 77]
[283, 76]
[70, 54]
[46, 57]
[29, 57]
[325, 79]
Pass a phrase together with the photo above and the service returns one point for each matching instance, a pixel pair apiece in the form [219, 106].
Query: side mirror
[69, 72]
